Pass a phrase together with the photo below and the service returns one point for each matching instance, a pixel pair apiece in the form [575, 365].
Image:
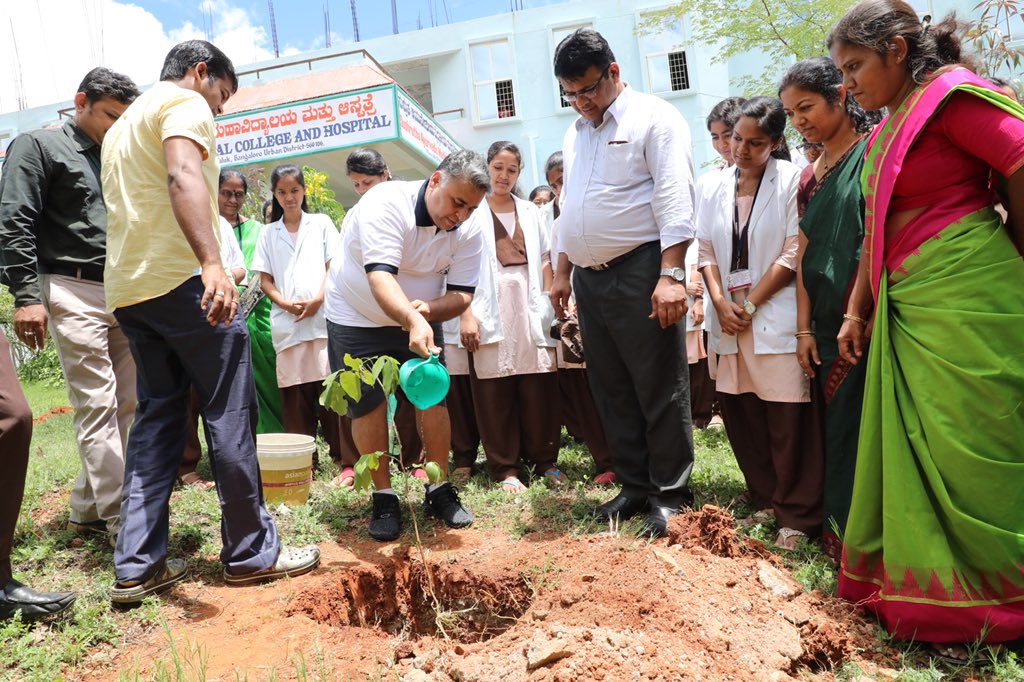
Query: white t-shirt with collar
[386, 231]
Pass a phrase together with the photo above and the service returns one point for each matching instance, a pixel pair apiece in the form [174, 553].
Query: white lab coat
[298, 272]
[773, 218]
[485, 301]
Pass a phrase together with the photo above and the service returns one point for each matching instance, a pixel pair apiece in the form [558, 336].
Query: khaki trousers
[100, 376]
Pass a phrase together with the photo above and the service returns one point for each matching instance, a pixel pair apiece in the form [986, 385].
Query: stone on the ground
[776, 582]
[541, 652]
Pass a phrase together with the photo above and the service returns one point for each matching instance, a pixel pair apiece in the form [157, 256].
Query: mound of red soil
[703, 605]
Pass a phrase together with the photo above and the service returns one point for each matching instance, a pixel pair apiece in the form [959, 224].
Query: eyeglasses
[587, 92]
[228, 194]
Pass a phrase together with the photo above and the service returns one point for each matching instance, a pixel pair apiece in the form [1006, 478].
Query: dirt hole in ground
[410, 599]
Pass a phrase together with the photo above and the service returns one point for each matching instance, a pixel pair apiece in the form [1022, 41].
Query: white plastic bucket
[286, 463]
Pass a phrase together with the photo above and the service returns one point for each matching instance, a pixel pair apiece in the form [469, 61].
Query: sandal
[512, 486]
[345, 479]
[605, 478]
[555, 478]
[173, 571]
[782, 541]
[762, 517]
[194, 480]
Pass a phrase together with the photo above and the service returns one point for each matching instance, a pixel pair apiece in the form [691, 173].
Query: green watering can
[424, 382]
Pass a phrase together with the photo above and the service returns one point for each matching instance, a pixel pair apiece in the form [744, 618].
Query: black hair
[769, 116]
[187, 54]
[263, 209]
[102, 82]
[541, 188]
[504, 146]
[819, 75]
[226, 173]
[875, 23]
[286, 170]
[366, 162]
[554, 162]
[580, 50]
[727, 111]
[1004, 83]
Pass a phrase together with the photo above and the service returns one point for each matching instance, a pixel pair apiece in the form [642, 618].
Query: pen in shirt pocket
[612, 142]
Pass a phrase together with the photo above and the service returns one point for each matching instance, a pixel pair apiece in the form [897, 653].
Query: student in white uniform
[407, 263]
[294, 255]
[503, 337]
[720, 122]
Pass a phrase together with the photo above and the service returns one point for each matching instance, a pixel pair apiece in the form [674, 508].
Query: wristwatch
[678, 274]
[749, 308]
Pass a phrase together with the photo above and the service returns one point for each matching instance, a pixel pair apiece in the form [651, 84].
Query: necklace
[826, 163]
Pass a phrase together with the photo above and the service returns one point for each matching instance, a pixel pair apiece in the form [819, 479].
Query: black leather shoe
[386, 521]
[31, 604]
[619, 508]
[656, 521]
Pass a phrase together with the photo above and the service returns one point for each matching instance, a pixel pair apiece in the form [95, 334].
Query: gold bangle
[854, 318]
[804, 333]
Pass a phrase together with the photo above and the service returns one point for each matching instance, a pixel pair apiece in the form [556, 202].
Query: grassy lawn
[47, 556]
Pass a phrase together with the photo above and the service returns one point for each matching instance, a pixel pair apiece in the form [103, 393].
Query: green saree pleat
[834, 226]
[937, 522]
[264, 358]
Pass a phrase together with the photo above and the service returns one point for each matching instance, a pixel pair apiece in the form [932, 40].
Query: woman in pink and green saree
[934, 545]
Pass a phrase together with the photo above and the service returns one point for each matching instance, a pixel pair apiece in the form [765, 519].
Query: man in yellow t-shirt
[169, 290]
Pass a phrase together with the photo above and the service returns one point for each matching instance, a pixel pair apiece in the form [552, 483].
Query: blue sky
[300, 22]
[46, 46]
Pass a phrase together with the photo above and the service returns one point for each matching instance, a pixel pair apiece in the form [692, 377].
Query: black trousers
[15, 437]
[639, 378]
[175, 348]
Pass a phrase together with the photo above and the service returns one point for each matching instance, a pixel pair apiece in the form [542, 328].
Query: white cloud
[55, 42]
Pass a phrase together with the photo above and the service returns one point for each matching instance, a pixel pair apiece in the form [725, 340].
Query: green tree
[784, 30]
[320, 198]
[989, 36]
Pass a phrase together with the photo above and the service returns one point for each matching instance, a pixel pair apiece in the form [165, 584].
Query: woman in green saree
[831, 231]
[934, 544]
[231, 196]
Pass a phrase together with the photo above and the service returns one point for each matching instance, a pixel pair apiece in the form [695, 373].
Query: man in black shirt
[53, 229]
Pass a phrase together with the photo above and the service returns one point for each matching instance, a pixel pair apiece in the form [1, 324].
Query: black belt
[619, 259]
[91, 273]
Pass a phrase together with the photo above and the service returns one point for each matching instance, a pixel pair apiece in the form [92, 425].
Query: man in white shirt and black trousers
[626, 222]
[406, 264]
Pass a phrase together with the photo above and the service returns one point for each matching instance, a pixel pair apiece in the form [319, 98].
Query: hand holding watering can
[424, 382]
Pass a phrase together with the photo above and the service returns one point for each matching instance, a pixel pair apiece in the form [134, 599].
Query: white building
[491, 78]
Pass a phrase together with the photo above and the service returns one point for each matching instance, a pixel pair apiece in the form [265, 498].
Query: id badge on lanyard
[740, 276]
[739, 279]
